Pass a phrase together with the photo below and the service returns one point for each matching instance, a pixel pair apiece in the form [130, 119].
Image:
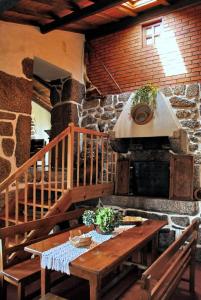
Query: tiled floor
[79, 290]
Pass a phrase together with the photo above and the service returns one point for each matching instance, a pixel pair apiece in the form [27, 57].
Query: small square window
[151, 33]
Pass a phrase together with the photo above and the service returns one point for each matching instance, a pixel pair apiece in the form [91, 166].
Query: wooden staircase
[75, 166]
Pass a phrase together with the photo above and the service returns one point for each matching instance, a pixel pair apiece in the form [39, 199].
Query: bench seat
[24, 270]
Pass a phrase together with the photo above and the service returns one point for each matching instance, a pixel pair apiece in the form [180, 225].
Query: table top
[108, 253]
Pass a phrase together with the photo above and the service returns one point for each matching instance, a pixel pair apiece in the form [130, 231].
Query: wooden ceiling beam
[83, 13]
[127, 10]
[141, 17]
[7, 4]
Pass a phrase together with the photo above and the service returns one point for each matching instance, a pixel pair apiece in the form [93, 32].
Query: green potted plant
[104, 219]
[144, 104]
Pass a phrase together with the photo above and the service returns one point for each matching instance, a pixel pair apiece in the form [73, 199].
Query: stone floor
[78, 289]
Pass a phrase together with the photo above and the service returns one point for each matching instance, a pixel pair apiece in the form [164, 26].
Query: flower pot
[141, 114]
[102, 232]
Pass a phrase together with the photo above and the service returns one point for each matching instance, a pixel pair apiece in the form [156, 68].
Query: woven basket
[142, 114]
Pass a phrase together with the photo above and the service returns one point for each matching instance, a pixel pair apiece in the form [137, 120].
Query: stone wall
[186, 101]
[15, 122]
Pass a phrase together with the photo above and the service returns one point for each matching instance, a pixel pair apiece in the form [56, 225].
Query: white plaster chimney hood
[164, 122]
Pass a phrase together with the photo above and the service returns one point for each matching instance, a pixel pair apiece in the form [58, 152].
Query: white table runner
[59, 257]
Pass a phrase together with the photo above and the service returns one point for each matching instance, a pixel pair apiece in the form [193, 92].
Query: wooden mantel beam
[95, 8]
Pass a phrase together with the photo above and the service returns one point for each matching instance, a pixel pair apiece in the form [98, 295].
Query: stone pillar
[15, 122]
[66, 96]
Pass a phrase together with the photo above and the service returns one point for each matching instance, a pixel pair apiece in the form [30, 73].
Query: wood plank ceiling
[75, 15]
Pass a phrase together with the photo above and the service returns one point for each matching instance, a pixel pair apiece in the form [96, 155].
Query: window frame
[152, 25]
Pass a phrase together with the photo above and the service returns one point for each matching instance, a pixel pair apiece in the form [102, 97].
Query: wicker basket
[80, 241]
[142, 114]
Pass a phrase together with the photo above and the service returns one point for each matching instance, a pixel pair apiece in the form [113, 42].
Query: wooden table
[101, 260]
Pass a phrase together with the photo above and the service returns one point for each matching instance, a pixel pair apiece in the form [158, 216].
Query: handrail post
[70, 167]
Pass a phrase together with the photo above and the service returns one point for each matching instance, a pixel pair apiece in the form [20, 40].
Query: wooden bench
[21, 269]
[160, 280]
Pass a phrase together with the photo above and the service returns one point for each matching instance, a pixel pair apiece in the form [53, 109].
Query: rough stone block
[167, 91]
[179, 90]
[197, 133]
[197, 158]
[15, 93]
[192, 90]
[107, 116]
[73, 90]
[182, 114]
[124, 97]
[8, 146]
[7, 116]
[182, 102]
[181, 221]
[91, 104]
[5, 169]
[107, 101]
[23, 137]
[119, 105]
[6, 128]
[61, 116]
[192, 124]
[193, 147]
[108, 108]
[88, 120]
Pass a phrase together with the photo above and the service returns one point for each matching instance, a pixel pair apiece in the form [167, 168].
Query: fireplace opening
[147, 165]
[149, 178]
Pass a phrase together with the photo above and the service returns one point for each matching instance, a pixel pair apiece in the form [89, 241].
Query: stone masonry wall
[185, 101]
[15, 122]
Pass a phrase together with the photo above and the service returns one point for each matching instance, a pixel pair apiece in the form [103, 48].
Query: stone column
[66, 96]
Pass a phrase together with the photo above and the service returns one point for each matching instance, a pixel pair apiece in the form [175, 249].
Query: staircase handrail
[31, 161]
[27, 164]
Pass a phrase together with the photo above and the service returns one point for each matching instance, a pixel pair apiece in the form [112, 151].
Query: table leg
[154, 248]
[144, 259]
[45, 281]
[94, 284]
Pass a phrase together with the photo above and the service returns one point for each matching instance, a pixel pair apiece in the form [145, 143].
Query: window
[151, 33]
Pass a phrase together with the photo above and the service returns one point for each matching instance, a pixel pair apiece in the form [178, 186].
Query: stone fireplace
[183, 140]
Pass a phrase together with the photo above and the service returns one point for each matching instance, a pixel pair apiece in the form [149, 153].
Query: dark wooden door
[181, 176]
[122, 177]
